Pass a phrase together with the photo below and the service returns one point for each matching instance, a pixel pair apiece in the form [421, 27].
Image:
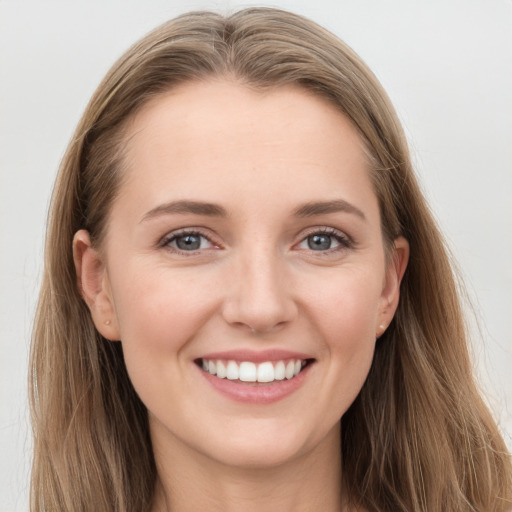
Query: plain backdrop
[447, 65]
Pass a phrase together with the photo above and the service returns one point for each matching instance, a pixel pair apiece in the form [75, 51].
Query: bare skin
[301, 485]
[246, 222]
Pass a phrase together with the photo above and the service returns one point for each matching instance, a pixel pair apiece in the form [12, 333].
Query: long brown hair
[417, 438]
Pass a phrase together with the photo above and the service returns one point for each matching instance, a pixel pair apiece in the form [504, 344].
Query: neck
[188, 481]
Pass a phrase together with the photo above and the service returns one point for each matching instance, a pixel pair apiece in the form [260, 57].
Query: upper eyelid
[194, 230]
[187, 231]
[325, 230]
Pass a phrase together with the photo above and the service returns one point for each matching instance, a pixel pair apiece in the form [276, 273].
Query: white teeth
[290, 370]
[279, 370]
[247, 371]
[221, 370]
[232, 371]
[265, 372]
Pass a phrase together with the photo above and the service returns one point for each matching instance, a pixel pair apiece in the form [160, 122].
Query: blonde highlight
[418, 437]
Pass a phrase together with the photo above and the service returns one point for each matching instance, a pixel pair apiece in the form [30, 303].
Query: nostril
[259, 305]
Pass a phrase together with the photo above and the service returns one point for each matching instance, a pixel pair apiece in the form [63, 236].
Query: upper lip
[256, 356]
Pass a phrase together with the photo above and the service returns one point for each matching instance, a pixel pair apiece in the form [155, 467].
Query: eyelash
[344, 241]
[168, 239]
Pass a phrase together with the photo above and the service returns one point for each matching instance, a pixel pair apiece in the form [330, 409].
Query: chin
[262, 445]
[255, 455]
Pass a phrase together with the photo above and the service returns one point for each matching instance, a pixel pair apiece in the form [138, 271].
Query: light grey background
[447, 65]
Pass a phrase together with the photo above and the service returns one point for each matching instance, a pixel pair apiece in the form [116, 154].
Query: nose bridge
[260, 296]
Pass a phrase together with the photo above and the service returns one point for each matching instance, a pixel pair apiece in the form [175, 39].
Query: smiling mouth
[247, 371]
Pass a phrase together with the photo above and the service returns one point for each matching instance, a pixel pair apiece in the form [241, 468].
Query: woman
[238, 255]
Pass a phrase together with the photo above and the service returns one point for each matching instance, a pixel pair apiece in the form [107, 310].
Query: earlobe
[391, 290]
[94, 285]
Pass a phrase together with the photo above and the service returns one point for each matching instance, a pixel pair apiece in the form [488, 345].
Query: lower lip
[255, 392]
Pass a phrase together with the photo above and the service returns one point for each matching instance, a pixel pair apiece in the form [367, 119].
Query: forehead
[222, 138]
[221, 107]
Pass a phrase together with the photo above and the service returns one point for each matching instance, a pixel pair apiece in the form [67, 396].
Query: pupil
[188, 242]
[319, 242]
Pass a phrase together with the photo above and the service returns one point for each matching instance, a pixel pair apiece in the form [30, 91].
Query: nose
[260, 294]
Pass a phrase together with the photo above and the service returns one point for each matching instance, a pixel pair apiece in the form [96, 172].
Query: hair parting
[418, 438]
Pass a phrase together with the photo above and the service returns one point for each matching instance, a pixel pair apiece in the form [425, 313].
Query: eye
[325, 240]
[187, 241]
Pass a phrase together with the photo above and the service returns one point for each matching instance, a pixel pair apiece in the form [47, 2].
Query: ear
[391, 289]
[94, 285]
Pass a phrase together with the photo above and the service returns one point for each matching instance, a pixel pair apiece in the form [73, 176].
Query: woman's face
[245, 240]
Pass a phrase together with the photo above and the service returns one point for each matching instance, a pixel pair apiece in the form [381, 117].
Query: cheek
[345, 316]
[158, 312]
[346, 308]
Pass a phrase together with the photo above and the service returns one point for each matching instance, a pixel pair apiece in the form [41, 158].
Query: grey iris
[188, 242]
[319, 242]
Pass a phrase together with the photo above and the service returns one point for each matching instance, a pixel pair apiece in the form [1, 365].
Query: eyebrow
[214, 210]
[323, 207]
[184, 207]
